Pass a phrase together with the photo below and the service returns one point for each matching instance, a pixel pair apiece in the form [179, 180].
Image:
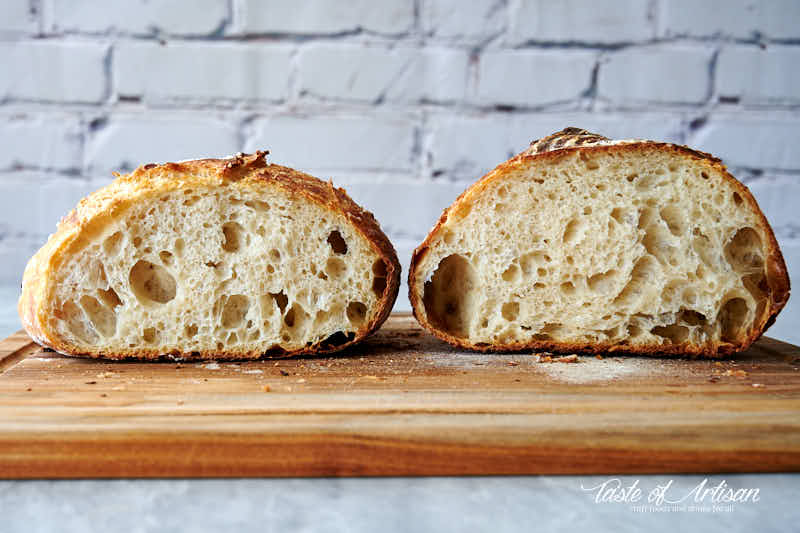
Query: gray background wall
[403, 102]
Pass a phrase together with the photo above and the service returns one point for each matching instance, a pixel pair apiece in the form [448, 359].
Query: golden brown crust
[559, 145]
[242, 170]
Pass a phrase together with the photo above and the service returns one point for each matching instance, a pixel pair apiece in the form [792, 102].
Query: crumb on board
[568, 359]
[741, 374]
[266, 388]
[758, 385]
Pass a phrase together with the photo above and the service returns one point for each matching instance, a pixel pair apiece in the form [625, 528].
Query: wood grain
[401, 403]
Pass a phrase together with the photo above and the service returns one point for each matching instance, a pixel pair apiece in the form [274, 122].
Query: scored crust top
[554, 146]
[245, 170]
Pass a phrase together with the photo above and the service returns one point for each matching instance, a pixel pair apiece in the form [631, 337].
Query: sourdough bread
[214, 258]
[583, 244]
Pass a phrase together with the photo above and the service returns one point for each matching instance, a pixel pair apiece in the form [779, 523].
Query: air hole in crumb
[113, 243]
[675, 219]
[737, 199]
[190, 330]
[280, 299]
[356, 313]
[335, 267]
[510, 311]
[149, 335]
[744, 252]
[692, 318]
[258, 205]
[166, 257]
[568, 288]
[233, 236]
[732, 318]
[602, 282]
[337, 242]
[109, 297]
[673, 333]
[512, 273]
[447, 297]
[103, 319]
[275, 255]
[234, 310]
[380, 271]
[152, 282]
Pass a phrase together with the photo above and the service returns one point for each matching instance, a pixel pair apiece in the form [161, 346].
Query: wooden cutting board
[402, 403]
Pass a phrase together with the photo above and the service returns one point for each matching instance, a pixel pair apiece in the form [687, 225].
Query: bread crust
[559, 145]
[247, 171]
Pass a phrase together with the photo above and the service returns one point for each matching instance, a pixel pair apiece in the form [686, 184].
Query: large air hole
[673, 333]
[109, 297]
[113, 243]
[510, 311]
[149, 335]
[356, 313]
[379, 281]
[512, 273]
[574, 231]
[234, 311]
[103, 319]
[744, 251]
[675, 219]
[732, 319]
[448, 295]
[233, 234]
[280, 299]
[335, 267]
[602, 282]
[152, 283]
[532, 260]
[644, 273]
[296, 318]
[337, 242]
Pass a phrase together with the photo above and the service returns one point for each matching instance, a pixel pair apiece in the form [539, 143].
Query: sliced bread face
[221, 259]
[582, 244]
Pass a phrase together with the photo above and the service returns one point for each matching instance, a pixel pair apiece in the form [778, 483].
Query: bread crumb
[512, 363]
[741, 374]
[568, 359]
[301, 380]
[252, 371]
[266, 388]
[106, 375]
[598, 356]
[758, 385]
[212, 366]
[118, 387]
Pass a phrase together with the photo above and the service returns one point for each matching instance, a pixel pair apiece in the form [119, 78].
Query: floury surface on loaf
[211, 259]
[582, 244]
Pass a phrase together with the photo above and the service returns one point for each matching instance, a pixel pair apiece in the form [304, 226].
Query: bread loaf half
[582, 244]
[214, 258]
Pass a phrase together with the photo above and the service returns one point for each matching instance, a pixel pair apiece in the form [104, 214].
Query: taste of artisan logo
[705, 497]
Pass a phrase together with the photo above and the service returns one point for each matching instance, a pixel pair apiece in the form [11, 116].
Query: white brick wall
[201, 71]
[757, 75]
[404, 102]
[587, 21]
[628, 76]
[323, 16]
